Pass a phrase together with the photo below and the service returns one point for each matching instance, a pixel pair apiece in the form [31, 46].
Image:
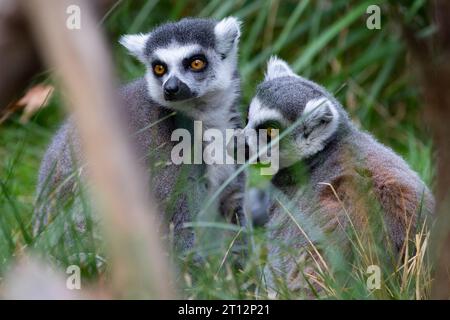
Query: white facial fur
[216, 92]
[172, 57]
[320, 121]
[258, 114]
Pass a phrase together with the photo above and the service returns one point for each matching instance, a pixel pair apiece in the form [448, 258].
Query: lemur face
[285, 100]
[188, 61]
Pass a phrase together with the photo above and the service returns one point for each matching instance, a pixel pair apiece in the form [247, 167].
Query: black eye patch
[187, 62]
[158, 62]
[273, 124]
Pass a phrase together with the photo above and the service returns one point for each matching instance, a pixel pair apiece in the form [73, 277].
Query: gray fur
[215, 105]
[64, 156]
[185, 31]
[216, 89]
[357, 166]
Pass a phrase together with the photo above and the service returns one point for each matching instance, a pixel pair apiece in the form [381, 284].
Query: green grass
[326, 41]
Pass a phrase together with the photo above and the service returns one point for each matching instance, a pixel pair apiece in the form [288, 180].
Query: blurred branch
[138, 262]
[32, 279]
[431, 57]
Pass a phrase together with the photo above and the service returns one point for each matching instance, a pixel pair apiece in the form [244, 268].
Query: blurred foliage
[326, 41]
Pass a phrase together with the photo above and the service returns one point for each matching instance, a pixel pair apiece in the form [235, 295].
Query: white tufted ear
[227, 31]
[277, 68]
[135, 44]
[320, 110]
[320, 122]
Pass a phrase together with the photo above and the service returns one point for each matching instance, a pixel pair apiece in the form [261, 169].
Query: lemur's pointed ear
[320, 110]
[277, 68]
[135, 44]
[227, 31]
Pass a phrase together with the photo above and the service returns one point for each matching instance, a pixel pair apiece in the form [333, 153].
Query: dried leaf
[34, 100]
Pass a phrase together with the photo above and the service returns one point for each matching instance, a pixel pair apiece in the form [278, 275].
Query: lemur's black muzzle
[176, 90]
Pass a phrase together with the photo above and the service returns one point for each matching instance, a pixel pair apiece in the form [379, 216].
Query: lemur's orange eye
[159, 69]
[198, 65]
[271, 132]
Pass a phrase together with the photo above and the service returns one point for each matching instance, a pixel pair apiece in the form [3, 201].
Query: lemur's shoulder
[361, 157]
[386, 167]
[399, 188]
[137, 102]
[371, 172]
[146, 119]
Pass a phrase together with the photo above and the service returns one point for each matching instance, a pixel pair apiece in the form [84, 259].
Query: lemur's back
[365, 174]
[150, 127]
[347, 181]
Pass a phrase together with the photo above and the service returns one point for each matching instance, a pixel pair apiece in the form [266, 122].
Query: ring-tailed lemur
[191, 68]
[194, 71]
[343, 168]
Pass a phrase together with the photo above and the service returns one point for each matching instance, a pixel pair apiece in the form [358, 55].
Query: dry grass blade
[228, 251]
[316, 251]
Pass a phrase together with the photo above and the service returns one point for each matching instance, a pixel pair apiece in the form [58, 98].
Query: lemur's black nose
[172, 86]
[175, 90]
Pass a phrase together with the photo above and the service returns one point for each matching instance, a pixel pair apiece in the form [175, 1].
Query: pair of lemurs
[192, 69]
